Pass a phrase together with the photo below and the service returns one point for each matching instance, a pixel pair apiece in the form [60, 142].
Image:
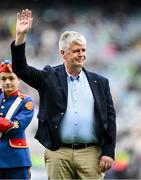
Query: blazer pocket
[18, 143]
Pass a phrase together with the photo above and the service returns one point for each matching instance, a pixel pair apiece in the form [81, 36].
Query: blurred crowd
[113, 49]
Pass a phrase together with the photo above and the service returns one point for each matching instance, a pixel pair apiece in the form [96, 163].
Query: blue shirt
[78, 124]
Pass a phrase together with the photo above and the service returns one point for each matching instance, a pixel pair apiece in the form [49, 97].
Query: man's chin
[79, 65]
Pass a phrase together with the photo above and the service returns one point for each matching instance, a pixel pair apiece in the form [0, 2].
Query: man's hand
[105, 163]
[23, 25]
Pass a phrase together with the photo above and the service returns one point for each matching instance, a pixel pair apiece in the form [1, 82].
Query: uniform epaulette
[21, 95]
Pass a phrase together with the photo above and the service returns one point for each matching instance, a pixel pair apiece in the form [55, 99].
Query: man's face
[75, 56]
[9, 82]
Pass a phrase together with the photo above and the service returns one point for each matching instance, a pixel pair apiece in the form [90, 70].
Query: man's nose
[81, 53]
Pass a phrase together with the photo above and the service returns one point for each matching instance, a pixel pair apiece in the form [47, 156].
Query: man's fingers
[22, 15]
[30, 24]
[25, 14]
[30, 14]
[107, 165]
[18, 16]
[104, 166]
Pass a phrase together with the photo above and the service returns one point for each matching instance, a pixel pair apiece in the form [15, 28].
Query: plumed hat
[6, 66]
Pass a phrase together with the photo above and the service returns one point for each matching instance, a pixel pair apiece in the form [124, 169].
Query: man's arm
[23, 25]
[107, 158]
[28, 74]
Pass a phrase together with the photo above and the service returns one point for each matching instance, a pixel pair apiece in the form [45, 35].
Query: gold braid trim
[9, 68]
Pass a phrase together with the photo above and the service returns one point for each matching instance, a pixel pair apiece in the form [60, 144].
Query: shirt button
[2, 107]
[55, 126]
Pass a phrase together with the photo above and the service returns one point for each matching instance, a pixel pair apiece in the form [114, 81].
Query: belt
[79, 146]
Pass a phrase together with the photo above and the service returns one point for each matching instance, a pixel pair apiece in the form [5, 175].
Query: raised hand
[23, 25]
[24, 21]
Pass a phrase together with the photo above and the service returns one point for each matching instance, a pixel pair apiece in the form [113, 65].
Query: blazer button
[56, 126]
[62, 113]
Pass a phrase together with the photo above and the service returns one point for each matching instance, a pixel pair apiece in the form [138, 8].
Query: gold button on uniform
[4, 100]
[2, 107]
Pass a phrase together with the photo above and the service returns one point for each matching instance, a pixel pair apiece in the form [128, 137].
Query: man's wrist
[20, 38]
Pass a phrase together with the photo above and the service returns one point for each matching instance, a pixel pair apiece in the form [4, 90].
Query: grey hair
[69, 37]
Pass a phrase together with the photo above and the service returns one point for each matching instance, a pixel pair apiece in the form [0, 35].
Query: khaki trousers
[67, 163]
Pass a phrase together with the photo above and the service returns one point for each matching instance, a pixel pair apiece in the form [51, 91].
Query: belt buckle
[77, 146]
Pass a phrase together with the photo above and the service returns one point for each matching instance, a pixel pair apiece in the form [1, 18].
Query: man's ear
[62, 52]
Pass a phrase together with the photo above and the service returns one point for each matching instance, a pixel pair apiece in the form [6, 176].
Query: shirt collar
[72, 78]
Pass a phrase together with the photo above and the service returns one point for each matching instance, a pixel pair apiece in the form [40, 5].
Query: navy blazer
[51, 83]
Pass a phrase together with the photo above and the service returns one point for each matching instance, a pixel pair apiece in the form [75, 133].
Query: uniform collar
[14, 93]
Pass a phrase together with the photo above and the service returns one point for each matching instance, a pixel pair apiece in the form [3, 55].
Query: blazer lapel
[94, 84]
[63, 80]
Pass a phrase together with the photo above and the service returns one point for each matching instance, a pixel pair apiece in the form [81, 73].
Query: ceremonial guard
[16, 112]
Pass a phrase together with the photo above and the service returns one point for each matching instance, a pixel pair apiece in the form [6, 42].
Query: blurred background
[113, 33]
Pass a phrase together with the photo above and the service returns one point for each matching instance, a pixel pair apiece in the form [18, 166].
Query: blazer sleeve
[30, 75]
[110, 129]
